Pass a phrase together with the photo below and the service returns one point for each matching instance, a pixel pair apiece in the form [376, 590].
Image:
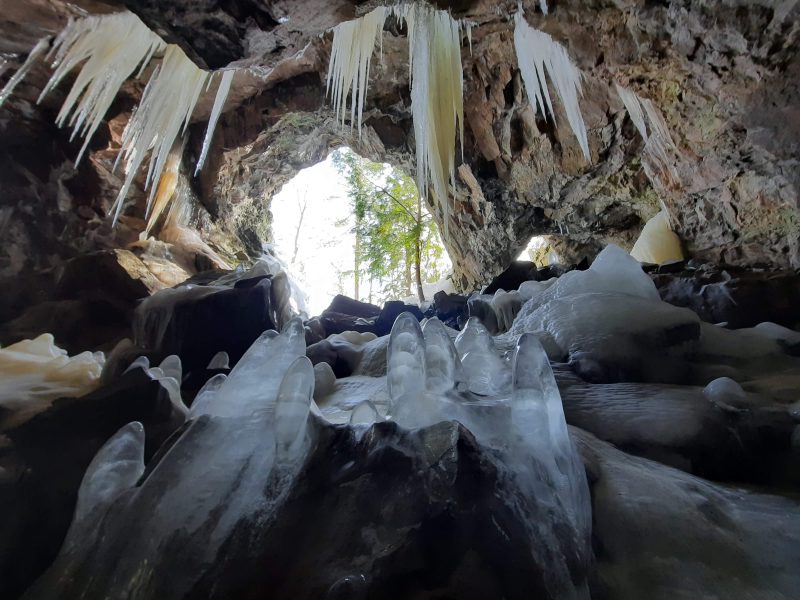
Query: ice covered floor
[443, 466]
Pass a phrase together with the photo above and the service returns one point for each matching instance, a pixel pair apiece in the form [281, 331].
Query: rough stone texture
[724, 77]
[738, 297]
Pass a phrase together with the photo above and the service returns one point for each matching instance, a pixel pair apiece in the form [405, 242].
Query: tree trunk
[356, 263]
[418, 251]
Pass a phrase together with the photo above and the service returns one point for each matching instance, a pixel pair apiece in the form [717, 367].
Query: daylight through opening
[355, 227]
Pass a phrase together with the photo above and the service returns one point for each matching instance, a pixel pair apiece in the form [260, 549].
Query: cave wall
[724, 75]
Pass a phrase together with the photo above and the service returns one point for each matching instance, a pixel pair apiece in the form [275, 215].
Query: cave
[445, 299]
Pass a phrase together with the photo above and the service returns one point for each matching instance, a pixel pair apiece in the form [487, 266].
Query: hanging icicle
[540, 57]
[219, 102]
[111, 48]
[163, 114]
[650, 124]
[107, 50]
[437, 105]
[348, 69]
[38, 50]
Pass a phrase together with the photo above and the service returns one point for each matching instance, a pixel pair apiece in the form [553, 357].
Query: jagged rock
[518, 272]
[339, 323]
[347, 306]
[197, 323]
[46, 458]
[450, 309]
[390, 311]
[738, 297]
[89, 306]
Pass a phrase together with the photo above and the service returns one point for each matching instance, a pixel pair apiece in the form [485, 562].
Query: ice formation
[112, 48]
[35, 372]
[539, 425]
[437, 82]
[657, 243]
[405, 359]
[537, 54]
[658, 141]
[220, 360]
[223, 89]
[108, 49]
[38, 50]
[169, 374]
[485, 373]
[348, 70]
[442, 363]
[162, 115]
[233, 461]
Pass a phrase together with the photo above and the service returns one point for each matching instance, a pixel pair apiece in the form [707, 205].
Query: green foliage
[395, 235]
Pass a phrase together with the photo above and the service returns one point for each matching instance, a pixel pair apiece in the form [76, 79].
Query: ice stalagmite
[484, 370]
[291, 409]
[261, 368]
[442, 364]
[116, 467]
[232, 464]
[205, 396]
[405, 359]
[539, 426]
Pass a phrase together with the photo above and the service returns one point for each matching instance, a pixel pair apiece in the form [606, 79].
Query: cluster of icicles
[111, 49]
[114, 47]
[250, 433]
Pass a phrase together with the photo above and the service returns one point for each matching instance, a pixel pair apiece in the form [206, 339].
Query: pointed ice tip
[292, 406]
[171, 367]
[364, 413]
[116, 467]
[405, 358]
[220, 360]
[294, 328]
[442, 365]
[529, 364]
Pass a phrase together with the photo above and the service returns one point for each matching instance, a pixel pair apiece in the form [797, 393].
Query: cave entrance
[351, 226]
[541, 251]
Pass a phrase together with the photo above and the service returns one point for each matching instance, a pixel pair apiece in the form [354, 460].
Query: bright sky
[325, 249]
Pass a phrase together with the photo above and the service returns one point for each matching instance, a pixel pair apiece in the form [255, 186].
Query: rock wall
[724, 76]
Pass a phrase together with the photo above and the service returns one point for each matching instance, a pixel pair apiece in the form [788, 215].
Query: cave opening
[351, 226]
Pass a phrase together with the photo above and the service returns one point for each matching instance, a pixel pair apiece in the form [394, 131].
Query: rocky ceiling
[724, 75]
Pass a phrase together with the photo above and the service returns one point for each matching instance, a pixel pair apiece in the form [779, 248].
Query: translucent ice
[405, 359]
[116, 467]
[506, 306]
[291, 409]
[219, 361]
[485, 373]
[261, 368]
[724, 391]
[364, 413]
[442, 364]
[205, 397]
[540, 427]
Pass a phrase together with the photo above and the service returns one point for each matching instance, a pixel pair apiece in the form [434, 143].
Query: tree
[396, 240]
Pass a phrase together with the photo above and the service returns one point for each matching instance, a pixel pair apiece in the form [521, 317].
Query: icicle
[219, 102]
[33, 56]
[659, 144]
[348, 69]
[537, 52]
[166, 188]
[437, 81]
[113, 48]
[543, 6]
[163, 114]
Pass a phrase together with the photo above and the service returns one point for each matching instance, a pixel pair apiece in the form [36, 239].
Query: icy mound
[35, 372]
